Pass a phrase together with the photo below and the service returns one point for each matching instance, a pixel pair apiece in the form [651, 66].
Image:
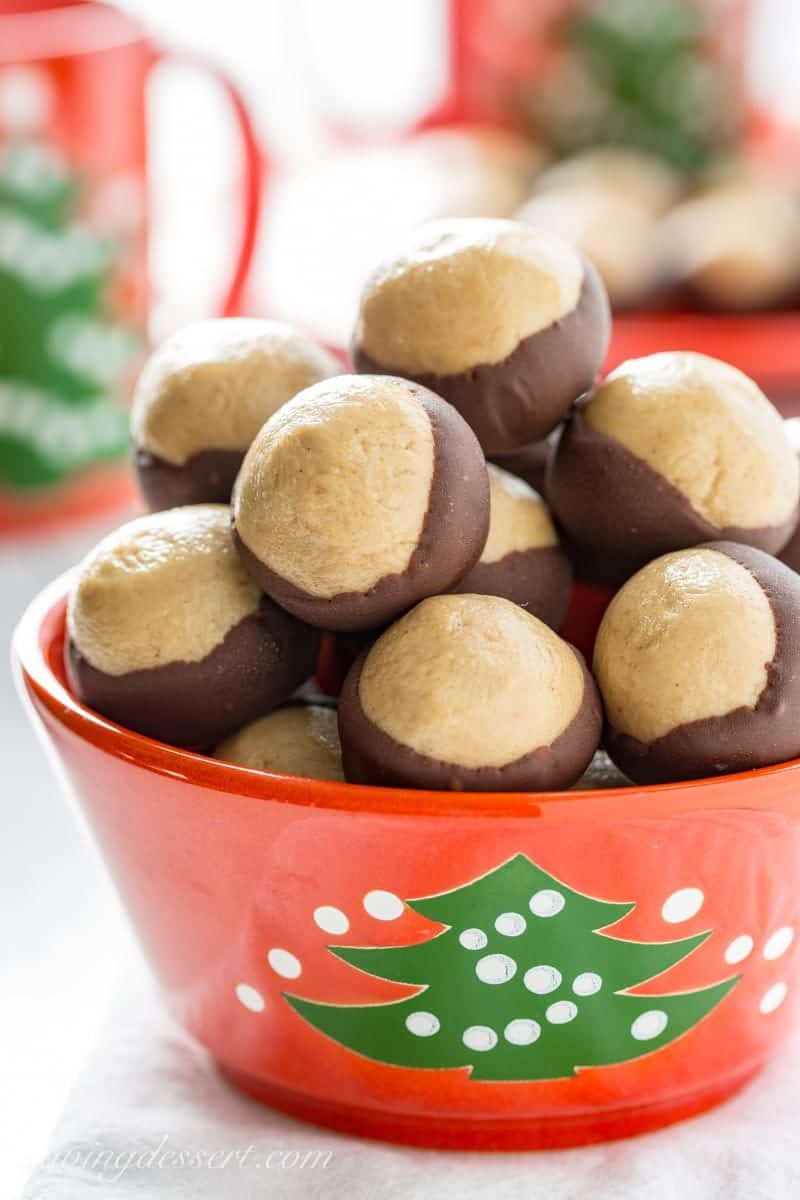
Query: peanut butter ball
[790, 554]
[736, 247]
[360, 497]
[169, 636]
[300, 739]
[608, 202]
[506, 322]
[522, 559]
[203, 396]
[645, 179]
[698, 662]
[670, 451]
[615, 232]
[469, 693]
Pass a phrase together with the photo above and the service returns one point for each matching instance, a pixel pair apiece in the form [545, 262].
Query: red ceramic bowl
[477, 971]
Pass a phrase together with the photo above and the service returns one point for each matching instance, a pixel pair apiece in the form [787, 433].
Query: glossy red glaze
[217, 865]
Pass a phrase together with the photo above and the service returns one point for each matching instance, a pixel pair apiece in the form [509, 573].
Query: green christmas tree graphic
[523, 983]
[639, 73]
[61, 357]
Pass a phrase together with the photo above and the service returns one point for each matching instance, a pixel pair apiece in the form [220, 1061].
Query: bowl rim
[44, 619]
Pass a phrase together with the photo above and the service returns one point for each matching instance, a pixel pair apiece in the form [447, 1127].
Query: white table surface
[152, 1120]
[61, 930]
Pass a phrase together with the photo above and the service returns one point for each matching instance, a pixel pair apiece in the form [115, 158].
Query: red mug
[74, 293]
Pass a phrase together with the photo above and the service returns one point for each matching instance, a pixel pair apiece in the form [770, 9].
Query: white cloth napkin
[149, 1095]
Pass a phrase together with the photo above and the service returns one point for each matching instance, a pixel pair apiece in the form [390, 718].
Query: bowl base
[491, 1133]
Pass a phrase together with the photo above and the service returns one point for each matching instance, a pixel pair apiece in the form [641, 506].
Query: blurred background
[164, 162]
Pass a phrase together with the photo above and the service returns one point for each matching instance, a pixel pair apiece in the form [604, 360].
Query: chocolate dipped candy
[469, 693]
[647, 180]
[169, 636]
[203, 396]
[698, 662]
[790, 554]
[300, 739]
[507, 323]
[530, 462]
[670, 451]
[359, 498]
[522, 559]
[736, 247]
[617, 234]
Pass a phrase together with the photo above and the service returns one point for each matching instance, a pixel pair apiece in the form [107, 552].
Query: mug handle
[254, 163]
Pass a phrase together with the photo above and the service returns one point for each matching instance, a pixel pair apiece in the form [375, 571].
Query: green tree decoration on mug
[63, 358]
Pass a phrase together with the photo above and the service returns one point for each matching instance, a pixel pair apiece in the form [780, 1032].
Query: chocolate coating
[537, 579]
[371, 756]
[207, 477]
[529, 463]
[512, 403]
[744, 738]
[619, 513]
[337, 654]
[453, 535]
[790, 554]
[256, 667]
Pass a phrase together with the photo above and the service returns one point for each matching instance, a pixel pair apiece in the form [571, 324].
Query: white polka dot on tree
[546, 903]
[649, 1025]
[562, 1012]
[511, 924]
[479, 1037]
[588, 983]
[26, 100]
[495, 968]
[422, 1024]
[542, 980]
[473, 939]
[522, 1031]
